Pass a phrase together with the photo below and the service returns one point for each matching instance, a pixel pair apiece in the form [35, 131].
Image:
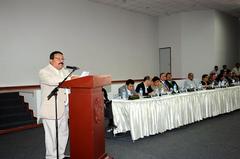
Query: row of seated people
[165, 83]
[148, 86]
[235, 70]
[225, 77]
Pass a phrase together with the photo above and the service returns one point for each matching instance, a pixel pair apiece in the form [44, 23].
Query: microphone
[72, 67]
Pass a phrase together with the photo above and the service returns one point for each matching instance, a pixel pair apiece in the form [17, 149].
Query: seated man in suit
[229, 77]
[212, 80]
[144, 86]
[190, 83]
[155, 86]
[205, 83]
[163, 84]
[222, 81]
[170, 82]
[108, 111]
[127, 90]
[224, 68]
[215, 70]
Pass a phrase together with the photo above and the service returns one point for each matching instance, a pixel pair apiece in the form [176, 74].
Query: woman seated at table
[204, 81]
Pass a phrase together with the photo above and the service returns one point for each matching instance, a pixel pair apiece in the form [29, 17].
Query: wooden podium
[86, 114]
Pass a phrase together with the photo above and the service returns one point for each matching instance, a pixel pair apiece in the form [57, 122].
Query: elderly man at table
[163, 84]
[236, 69]
[190, 83]
[235, 77]
[128, 89]
[144, 86]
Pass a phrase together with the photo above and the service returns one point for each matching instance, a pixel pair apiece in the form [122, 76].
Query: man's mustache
[61, 63]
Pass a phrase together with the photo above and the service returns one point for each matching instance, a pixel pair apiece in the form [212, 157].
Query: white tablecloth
[150, 116]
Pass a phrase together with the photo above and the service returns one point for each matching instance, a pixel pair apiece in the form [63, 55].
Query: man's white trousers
[50, 136]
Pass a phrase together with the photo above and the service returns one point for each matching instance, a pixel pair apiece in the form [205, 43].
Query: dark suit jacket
[170, 84]
[141, 85]
[149, 89]
[204, 83]
[108, 105]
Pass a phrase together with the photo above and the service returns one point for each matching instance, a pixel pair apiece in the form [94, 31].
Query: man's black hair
[161, 74]
[155, 78]
[168, 74]
[51, 57]
[204, 76]
[129, 81]
[146, 78]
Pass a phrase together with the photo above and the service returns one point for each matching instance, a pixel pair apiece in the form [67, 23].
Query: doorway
[165, 60]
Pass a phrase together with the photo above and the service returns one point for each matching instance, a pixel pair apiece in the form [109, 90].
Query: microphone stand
[54, 93]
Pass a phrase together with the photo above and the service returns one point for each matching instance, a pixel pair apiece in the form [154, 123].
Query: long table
[149, 116]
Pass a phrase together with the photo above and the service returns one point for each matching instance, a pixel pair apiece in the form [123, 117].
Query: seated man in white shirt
[236, 69]
[127, 90]
[190, 83]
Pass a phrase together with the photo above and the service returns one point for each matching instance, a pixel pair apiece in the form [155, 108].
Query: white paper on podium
[84, 73]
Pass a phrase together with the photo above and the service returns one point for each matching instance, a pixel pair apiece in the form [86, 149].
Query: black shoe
[112, 126]
[66, 157]
[109, 130]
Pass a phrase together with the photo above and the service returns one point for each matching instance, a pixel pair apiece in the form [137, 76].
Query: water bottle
[175, 88]
[212, 85]
[200, 86]
[141, 92]
[124, 95]
[191, 86]
[219, 84]
[223, 83]
[156, 92]
[170, 91]
[162, 91]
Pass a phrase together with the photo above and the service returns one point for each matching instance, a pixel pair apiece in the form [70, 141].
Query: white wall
[97, 38]
[169, 31]
[226, 39]
[199, 40]
[239, 39]
[33, 98]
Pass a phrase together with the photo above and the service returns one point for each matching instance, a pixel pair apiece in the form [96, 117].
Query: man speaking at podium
[50, 77]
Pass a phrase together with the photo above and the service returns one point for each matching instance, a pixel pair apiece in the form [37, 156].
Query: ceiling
[168, 7]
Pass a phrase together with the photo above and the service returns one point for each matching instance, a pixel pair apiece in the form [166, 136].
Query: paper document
[84, 73]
